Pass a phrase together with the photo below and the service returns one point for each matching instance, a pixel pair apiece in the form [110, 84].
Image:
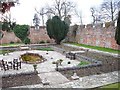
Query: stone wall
[94, 35]
[36, 36]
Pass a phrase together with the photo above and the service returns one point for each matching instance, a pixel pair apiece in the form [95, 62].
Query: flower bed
[32, 58]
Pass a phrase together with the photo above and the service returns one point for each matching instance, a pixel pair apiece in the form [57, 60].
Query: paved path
[83, 82]
[46, 66]
[54, 78]
[46, 69]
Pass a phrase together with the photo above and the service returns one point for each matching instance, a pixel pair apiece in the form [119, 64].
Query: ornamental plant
[57, 29]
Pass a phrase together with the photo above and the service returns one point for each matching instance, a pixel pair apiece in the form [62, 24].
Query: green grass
[5, 51]
[14, 44]
[83, 63]
[115, 85]
[97, 48]
[45, 49]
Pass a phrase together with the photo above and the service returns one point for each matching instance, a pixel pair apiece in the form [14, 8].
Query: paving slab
[53, 78]
[46, 66]
[92, 81]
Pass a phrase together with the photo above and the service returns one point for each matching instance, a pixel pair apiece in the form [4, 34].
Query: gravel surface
[20, 80]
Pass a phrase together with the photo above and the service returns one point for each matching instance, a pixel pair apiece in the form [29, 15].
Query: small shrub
[26, 41]
[35, 65]
[11, 42]
[42, 42]
[53, 62]
[47, 41]
[18, 41]
[60, 60]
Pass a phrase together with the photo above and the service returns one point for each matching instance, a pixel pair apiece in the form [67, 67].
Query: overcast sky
[24, 12]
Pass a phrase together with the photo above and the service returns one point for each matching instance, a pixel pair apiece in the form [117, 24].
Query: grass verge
[5, 51]
[45, 49]
[97, 48]
[14, 44]
[114, 85]
[83, 63]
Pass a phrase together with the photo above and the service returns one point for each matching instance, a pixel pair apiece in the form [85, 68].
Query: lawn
[97, 48]
[12, 44]
[114, 85]
[45, 49]
[83, 63]
[5, 51]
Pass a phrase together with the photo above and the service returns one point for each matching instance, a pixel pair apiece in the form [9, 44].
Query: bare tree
[42, 12]
[61, 8]
[79, 15]
[95, 15]
[109, 10]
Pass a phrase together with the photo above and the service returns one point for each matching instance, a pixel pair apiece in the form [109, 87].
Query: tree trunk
[112, 18]
[57, 42]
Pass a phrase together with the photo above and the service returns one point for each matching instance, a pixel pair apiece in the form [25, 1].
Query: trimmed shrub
[47, 41]
[11, 42]
[26, 40]
[53, 62]
[42, 42]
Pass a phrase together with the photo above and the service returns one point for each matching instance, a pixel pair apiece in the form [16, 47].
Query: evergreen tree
[57, 29]
[21, 31]
[117, 34]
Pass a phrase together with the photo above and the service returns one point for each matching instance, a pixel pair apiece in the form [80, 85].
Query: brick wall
[94, 35]
[35, 36]
[85, 34]
[9, 37]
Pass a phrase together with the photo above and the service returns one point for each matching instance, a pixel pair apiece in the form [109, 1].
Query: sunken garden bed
[20, 80]
[109, 64]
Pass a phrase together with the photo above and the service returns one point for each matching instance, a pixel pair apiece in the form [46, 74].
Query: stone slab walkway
[93, 81]
[46, 66]
[54, 78]
[83, 82]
